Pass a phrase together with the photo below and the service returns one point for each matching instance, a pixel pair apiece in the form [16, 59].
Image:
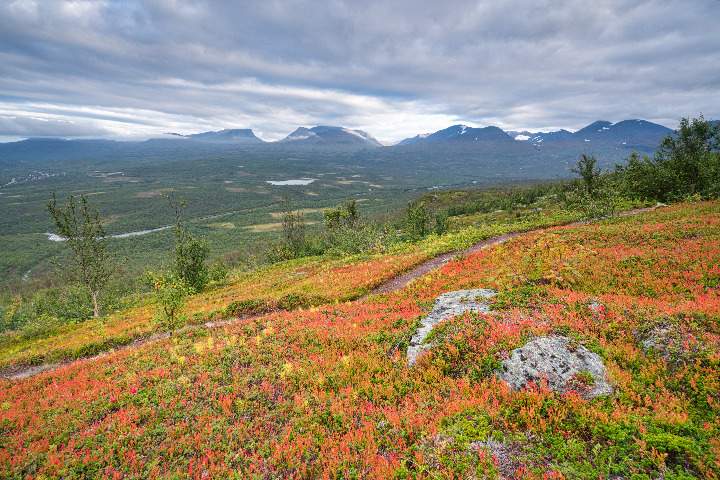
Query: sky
[138, 69]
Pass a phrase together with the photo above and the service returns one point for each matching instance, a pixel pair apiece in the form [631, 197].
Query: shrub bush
[170, 293]
[248, 307]
[687, 163]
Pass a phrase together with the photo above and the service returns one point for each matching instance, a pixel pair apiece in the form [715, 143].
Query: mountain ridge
[230, 135]
[631, 132]
[330, 135]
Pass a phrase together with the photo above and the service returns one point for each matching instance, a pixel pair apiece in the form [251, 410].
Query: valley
[222, 175]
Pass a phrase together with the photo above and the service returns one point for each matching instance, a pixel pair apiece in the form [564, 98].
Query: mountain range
[634, 132]
[463, 150]
[637, 132]
[627, 133]
[327, 135]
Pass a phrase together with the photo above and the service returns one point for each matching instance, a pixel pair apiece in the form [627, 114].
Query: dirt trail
[427, 266]
[400, 281]
[18, 372]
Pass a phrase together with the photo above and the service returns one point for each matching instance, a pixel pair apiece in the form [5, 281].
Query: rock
[564, 365]
[659, 339]
[671, 343]
[596, 307]
[447, 305]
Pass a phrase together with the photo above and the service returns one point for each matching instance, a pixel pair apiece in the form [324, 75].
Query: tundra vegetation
[306, 383]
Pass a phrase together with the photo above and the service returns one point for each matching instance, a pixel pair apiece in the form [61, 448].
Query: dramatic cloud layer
[393, 68]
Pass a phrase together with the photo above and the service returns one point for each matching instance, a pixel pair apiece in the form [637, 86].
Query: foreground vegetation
[325, 392]
[310, 380]
[289, 284]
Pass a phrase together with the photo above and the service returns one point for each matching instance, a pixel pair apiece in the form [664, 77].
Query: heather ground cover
[286, 285]
[325, 392]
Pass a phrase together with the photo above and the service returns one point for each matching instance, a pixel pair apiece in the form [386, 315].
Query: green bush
[441, 223]
[345, 215]
[294, 301]
[170, 293]
[189, 259]
[417, 221]
[218, 272]
[69, 304]
[590, 174]
[602, 203]
[470, 426]
[346, 240]
[686, 164]
[248, 307]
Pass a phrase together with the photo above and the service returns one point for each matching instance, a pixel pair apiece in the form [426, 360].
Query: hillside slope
[326, 392]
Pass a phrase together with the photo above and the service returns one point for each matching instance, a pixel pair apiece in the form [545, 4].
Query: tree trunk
[96, 305]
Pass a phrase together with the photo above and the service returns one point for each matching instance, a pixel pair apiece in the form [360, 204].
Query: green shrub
[590, 174]
[466, 427]
[441, 223]
[294, 301]
[345, 215]
[522, 296]
[248, 307]
[686, 164]
[170, 294]
[218, 272]
[190, 253]
[91, 263]
[189, 260]
[417, 221]
[69, 304]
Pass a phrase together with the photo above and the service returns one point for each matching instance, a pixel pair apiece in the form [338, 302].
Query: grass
[325, 392]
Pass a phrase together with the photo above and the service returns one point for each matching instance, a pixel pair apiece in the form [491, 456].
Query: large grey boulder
[565, 366]
[446, 306]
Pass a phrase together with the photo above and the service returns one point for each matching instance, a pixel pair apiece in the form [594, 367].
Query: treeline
[685, 166]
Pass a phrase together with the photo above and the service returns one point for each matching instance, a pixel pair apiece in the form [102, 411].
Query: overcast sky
[134, 69]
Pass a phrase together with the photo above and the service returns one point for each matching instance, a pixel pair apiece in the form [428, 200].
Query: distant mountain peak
[415, 139]
[626, 132]
[460, 133]
[331, 135]
[227, 135]
[300, 133]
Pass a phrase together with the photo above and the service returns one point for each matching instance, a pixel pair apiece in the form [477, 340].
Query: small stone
[596, 306]
[505, 455]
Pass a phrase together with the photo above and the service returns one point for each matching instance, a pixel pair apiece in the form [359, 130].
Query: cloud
[27, 126]
[137, 69]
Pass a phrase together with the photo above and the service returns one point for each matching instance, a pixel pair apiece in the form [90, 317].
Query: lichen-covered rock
[659, 339]
[558, 360]
[447, 305]
[671, 342]
[596, 307]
